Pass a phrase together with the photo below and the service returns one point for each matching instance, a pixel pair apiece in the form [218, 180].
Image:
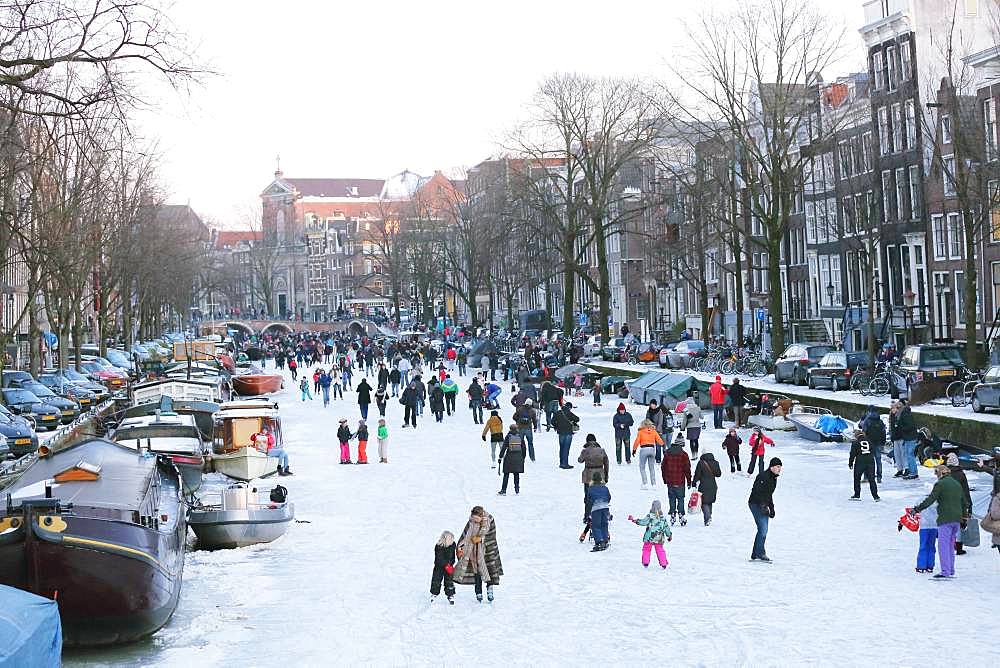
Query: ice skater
[362, 436]
[732, 443]
[344, 436]
[383, 442]
[647, 441]
[444, 567]
[657, 532]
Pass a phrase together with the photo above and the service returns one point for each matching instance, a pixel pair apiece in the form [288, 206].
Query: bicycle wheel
[727, 367]
[956, 393]
[879, 385]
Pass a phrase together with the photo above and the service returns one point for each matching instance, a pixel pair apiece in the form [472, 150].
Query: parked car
[19, 432]
[12, 378]
[682, 356]
[987, 393]
[68, 409]
[835, 369]
[74, 376]
[25, 403]
[592, 347]
[664, 354]
[793, 364]
[932, 361]
[612, 351]
[98, 373]
[69, 390]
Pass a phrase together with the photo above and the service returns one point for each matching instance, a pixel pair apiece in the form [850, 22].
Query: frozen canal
[350, 587]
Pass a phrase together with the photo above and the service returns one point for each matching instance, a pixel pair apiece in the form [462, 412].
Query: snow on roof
[402, 186]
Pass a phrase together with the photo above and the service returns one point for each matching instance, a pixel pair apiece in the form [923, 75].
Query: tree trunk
[603, 275]
[971, 312]
[872, 291]
[569, 282]
[777, 308]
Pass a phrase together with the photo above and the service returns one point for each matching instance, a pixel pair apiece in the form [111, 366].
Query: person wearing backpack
[512, 459]
[304, 388]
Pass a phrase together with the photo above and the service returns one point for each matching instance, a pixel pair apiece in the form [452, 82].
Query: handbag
[694, 503]
[970, 534]
[449, 569]
[991, 522]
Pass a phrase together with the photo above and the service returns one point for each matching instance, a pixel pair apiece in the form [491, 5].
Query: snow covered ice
[351, 586]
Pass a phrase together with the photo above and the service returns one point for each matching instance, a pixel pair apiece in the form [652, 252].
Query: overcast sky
[368, 88]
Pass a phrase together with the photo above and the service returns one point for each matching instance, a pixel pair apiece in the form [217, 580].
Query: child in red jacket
[757, 441]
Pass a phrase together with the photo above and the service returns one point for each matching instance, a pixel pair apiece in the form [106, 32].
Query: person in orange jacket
[757, 441]
[645, 443]
[717, 394]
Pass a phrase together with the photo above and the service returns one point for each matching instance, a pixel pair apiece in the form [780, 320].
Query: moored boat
[100, 528]
[176, 436]
[251, 384]
[236, 451]
[242, 516]
[30, 630]
[819, 424]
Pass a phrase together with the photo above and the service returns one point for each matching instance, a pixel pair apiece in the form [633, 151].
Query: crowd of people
[667, 437]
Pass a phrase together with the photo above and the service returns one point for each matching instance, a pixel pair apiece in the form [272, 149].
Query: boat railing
[234, 498]
[810, 410]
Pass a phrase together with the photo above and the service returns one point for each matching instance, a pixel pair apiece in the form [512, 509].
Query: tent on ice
[667, 388]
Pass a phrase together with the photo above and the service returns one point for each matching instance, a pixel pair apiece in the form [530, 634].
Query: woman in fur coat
[479, 554]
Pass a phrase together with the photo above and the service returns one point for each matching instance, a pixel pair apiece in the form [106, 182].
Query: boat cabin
[235, 427]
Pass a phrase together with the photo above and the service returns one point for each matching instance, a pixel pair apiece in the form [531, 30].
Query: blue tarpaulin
[30, 630]
[831, 424]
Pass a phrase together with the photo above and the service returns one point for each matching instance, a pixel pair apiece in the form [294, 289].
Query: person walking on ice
[444, 567]
[383, 442]
[647, 441]
[657, 532]
[479, 554]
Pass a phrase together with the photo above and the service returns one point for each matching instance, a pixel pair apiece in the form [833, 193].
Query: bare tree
[78, 54]
[752, 70]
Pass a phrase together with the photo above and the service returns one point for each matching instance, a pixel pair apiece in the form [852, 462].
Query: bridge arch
[280, 326]
[357, 328]
[242, 326]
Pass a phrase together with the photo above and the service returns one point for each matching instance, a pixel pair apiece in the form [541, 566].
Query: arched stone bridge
[357, 327]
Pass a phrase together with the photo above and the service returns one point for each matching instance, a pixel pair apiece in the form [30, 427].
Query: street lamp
[939, 293]
[830, 291]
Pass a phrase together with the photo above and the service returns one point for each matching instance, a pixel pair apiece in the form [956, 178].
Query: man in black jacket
[738, 397]
[862, 461]
[761, 504]
[563, 421]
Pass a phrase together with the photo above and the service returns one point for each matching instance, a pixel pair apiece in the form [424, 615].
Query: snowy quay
[351, 581]
[959, 424]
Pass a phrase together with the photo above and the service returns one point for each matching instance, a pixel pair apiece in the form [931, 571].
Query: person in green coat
[948, 496]
[383, 442]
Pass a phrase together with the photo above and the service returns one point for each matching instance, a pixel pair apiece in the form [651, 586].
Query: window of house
[945, 129]
[948, 174]
[811, 222]
[866, 151]
[990, 128]
[847, 214]
[878, 69]
[915, 192]
[902, 198]
[911, 126]
[956, 236]
[846, 160]
[897, 127]
[835, 279]
[892, 61]
[940, 237]
[887, 209]
[883, 131]
[824, 276]
[906, 56]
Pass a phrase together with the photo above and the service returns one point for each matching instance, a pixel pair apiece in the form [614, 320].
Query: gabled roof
[336, 187]
[230, 238]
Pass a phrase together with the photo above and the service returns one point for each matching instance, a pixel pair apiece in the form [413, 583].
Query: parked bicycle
[959, 392]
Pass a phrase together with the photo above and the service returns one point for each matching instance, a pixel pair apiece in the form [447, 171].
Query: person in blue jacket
[599, 498]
